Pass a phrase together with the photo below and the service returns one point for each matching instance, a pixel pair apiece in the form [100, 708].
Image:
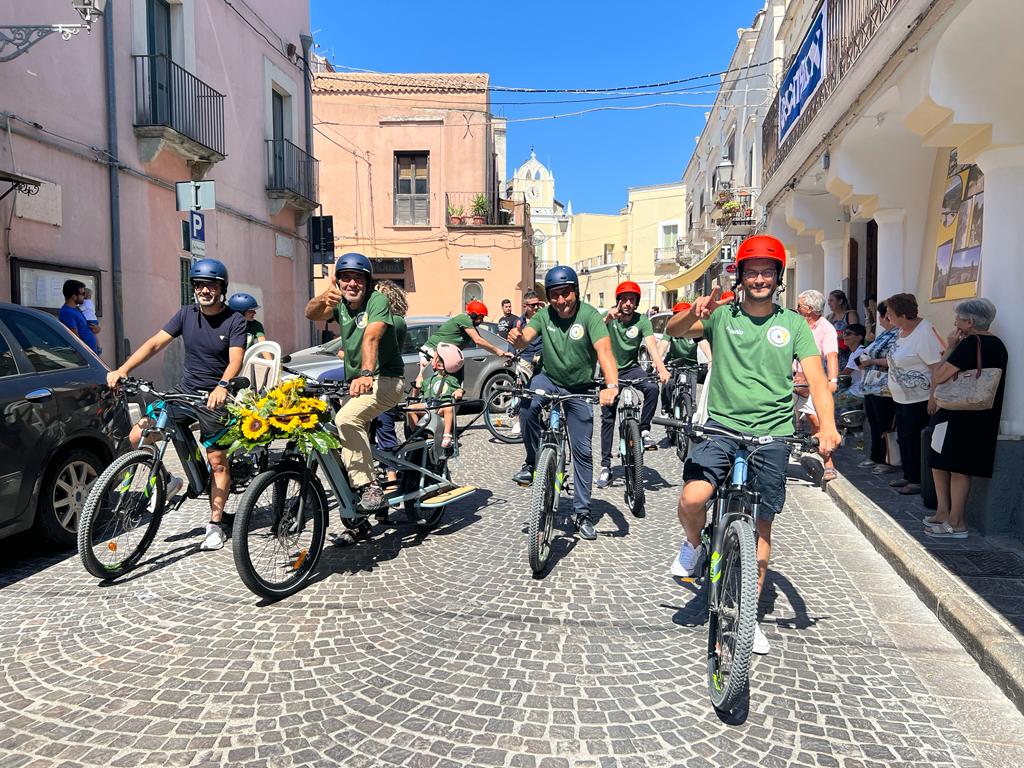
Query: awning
[693, 273]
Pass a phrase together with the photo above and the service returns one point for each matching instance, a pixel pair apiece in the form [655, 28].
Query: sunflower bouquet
[283, 413]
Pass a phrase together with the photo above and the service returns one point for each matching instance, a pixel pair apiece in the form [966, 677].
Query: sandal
[931, 521]
[350, 536]
[899, 482]
[829, 474]
[909, 489]
[945, 531]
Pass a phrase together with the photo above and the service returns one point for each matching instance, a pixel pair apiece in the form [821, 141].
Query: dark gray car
[483, 369]
[61, 425]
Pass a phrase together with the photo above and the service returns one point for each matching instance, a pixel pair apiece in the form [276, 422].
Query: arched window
[536, 175]
[472, 291]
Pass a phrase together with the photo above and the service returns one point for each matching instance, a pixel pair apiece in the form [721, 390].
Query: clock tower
[551, 221]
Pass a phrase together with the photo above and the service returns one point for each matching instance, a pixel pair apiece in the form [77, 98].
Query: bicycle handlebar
[549, 396]
[802, 442]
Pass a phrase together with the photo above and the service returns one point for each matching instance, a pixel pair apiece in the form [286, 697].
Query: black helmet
[243, 302]
[354, 262]
[561, 275]
[208, 269]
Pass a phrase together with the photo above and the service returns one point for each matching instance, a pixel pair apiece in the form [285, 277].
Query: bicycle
[281, 521]
[682, 402]
[501, 412]
[631, 445]
[730, 572]
[554, 457]
[127, 501]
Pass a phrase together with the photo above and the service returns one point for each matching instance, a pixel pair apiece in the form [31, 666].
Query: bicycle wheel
[274, 547]
[121, 515]
[415, 512]
[683, 412]
[633, 463]
[543, 503]
[501, 417]
[731, 621]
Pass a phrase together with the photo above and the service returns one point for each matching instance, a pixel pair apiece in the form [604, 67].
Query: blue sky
[594, 157]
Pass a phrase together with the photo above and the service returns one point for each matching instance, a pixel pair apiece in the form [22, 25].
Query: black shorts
[213, 422]
[711, 460]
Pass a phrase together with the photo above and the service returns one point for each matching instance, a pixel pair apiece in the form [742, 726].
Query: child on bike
[442, 383]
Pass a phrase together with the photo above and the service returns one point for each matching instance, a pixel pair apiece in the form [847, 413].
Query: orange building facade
[410, 172]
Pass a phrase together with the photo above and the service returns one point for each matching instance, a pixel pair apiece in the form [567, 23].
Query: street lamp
[723, 171]
[21, 37]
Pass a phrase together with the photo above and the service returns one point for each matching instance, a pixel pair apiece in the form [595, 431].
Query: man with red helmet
[750, 391]
[629, 330]
[681, 350]
[461, 331]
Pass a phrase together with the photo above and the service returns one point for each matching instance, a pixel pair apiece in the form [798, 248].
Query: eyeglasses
[535, 304]
[199, 287]
[751, 274]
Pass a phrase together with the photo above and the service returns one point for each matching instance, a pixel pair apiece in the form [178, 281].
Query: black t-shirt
[505, 324]
[207, 341]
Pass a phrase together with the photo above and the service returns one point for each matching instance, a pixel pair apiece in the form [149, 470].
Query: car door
[46, 400]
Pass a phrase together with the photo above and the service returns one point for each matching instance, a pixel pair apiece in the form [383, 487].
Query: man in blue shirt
[71, 313]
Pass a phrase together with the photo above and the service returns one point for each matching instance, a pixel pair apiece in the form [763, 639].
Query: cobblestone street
[443, 651]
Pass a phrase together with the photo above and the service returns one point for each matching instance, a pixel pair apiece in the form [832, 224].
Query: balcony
[667, 255]
[293, 175]
[478, 209]
[850, 26]
[175, 108]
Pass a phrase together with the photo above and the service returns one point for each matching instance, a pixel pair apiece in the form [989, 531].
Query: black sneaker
[372, 499]
[605, 478]
[524, 476]
[586, 528]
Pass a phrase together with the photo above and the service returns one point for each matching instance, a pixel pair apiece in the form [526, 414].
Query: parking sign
[197, 233]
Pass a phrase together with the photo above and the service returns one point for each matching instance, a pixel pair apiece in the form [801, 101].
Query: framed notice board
[40, 285]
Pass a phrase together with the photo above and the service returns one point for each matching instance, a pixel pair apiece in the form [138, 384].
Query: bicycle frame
[185, 445]
[628, 409]
[554, 434]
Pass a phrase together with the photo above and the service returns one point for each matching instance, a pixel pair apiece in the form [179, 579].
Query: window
[472, 291]
[187, 294]
[412, 189]
[158, 43]
[415, 337]
[44, 346]
[748, 176]
[600, 299]
[669, 235]
[8, 366]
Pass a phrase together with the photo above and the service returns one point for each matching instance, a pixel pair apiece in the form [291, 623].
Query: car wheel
[501, 379]
[62, 496]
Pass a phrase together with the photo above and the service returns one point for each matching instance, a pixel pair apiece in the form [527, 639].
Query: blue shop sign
[805, 74]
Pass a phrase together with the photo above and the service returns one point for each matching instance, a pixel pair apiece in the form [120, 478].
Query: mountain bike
[730, 572]
[554, 456]
[281, 522]
[501, 413]
[631, 445]
[682, 402]
[128, 500]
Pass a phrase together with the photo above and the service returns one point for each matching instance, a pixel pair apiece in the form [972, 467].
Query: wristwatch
[222, 383]
[366, 372]
[611, 386]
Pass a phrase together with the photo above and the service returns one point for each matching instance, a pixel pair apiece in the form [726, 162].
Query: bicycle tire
[414, 512]
[104, 528]
[683, 412]
[295, 559]
[633, 463]
[543, 503]
[729, 684]
[500, 420]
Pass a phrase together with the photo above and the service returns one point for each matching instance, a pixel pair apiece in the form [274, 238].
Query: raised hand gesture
[703, 306]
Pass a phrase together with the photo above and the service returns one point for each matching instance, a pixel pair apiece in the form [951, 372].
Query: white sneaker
[215, 538]
[866, 463]
[174, 484]
[516, 430]
[684, 562]
[761, 644]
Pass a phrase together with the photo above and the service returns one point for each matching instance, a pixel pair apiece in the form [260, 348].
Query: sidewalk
[975, 586]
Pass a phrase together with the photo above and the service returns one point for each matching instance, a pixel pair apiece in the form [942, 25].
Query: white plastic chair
[262, 365]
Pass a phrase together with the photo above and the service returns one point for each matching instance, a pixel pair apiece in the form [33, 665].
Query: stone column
[1001, 262]
[833, 277]
[804, 273]
[891, 279]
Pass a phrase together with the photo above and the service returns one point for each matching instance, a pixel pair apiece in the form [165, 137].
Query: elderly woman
[841, 315]
[912, 362]
[964, 442]
[878, 403]
[810, 304]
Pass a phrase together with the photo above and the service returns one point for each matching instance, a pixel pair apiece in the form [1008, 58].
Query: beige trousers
[353, 422]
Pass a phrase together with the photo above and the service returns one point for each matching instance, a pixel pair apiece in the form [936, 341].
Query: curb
[997, 649]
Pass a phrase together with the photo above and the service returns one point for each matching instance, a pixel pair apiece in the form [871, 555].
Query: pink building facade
[199, 91]
[407, 159]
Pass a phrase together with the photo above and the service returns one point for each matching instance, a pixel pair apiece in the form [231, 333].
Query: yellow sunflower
[313, 403]
[254, 426]
[285, 423]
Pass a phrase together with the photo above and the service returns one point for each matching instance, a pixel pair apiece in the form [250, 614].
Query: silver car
[483, 369]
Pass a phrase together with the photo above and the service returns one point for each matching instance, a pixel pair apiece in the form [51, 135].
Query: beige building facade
[551, 220]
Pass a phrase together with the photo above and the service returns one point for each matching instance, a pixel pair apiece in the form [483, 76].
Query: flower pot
[479, 220]
[455, 220]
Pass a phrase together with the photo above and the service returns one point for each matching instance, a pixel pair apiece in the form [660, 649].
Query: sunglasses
[197, 287]
[535, 305]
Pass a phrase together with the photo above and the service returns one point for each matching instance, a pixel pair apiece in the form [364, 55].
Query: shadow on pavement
[775, 583]
[23, 555]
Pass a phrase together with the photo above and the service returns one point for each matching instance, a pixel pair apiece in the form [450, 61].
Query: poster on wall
[959, 231]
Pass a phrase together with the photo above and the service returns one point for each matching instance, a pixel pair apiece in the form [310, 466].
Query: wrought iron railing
[850, 26]
[291, 169]
[170, 96]
[469, 208]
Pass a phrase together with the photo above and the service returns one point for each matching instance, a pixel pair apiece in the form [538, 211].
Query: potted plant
[730, 208]
[479, 209]
[455, 214]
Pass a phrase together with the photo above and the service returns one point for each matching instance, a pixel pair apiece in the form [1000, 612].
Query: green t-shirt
[440, 384]
[569, 354]
[389, 355]
[453, 331]
[680, 349]
[253, 331]
[751, 386]
[627, 338]
[401, 331]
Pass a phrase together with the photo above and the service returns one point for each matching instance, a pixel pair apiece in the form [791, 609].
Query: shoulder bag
[970, 390]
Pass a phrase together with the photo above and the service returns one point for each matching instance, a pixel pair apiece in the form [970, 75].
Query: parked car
[483, 369]
[61, 425]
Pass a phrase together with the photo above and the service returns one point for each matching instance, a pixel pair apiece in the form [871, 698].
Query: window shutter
[404, 210]
[421, 209]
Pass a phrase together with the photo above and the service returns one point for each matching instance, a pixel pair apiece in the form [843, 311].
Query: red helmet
[761, 247]
[476, 308]
[627, 287]
[727, 296]
[681, 306]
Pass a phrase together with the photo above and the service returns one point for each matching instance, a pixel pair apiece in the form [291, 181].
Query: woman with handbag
[963, 445]
[878, 404]
[912, 361]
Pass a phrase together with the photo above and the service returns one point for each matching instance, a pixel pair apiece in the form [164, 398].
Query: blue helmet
[354, 262]
[561, 275]
[243, 302]
[208, 269]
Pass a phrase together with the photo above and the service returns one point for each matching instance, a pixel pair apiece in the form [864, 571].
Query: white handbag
[970, 390]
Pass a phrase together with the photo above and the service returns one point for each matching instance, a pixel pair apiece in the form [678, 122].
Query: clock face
[533, 192]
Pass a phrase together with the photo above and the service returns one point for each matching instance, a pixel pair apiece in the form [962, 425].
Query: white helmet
[451, 357]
